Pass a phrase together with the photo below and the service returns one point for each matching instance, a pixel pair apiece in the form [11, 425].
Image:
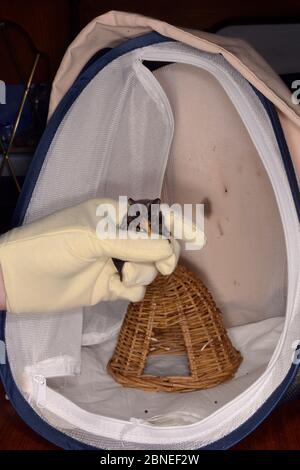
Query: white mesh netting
[115, 140]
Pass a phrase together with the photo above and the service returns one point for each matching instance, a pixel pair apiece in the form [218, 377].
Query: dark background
[52, 24]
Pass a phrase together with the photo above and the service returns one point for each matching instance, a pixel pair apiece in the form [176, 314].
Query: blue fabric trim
[96, 65]
[94, 58]
[257, 418]
[28, 415]
[80, 83]
[283, 147]
[17, 400]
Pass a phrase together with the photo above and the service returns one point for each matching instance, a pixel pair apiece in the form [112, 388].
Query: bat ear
[156, 201]
[131, 201]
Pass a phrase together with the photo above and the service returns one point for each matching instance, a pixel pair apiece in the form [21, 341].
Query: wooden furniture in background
[199, 14]
[52, 24]
[48, 23]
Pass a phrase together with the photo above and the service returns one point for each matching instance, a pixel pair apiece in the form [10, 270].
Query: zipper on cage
[264, 148]
[41, 390]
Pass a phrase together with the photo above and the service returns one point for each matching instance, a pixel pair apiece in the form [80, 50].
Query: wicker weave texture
[177, 316]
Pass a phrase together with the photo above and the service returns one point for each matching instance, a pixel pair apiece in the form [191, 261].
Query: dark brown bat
[144, 225]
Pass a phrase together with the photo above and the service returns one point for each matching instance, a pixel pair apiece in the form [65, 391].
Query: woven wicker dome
[177, 316]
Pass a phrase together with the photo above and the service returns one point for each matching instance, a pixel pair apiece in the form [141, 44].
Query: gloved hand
[59, 263]
[175, 222]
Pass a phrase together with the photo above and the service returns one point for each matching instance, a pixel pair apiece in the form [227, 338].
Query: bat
[146, 224]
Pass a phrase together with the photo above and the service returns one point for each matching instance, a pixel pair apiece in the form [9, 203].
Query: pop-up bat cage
[141, 108]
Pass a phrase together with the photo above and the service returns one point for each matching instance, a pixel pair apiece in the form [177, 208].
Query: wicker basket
[177, 316]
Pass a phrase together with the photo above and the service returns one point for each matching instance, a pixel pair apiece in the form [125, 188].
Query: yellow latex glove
[59, 263]
[190, 233]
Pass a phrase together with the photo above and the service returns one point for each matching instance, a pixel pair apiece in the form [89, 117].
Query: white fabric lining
[67, 178]
[106, 394]
[214, 426]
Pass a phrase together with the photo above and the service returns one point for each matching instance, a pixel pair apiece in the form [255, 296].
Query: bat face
[146, 224]
[146, 202]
